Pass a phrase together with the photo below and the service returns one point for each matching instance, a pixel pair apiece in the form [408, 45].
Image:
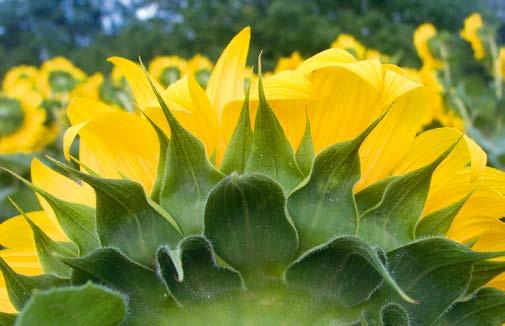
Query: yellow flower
[422, 36]
[21, 121]
[341, 97]
[201, 67]
[349, 43]
[376, 54]
[90, 88]
[470, 33]
[20, 76]
[168, 69]
[500, 62]
[289, 63]
[58, 77]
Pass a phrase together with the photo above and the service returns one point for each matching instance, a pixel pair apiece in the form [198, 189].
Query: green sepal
[271, 153]
[77, 221]
[109, 267]
[239, 147]
[246, 222]
[20, 287]
[392, 222]
[436, 272]
[345, 270]
[49, 251]
[190, 272]
[87, 305]
[371, 196]
[127, 219]
[483, 272]
[305, 152]
[323, 206]
[486, 307]
[188, 175]
[394, 315]
[7, 319]
[439, 222]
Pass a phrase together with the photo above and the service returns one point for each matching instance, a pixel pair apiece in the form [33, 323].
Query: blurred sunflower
[90, 88]
[168, 69]
[58, 77]
[22, 121]
[289, 63]
[20, 76]
[200, 66]
[470, 33]
[350, 44]
[423, 35]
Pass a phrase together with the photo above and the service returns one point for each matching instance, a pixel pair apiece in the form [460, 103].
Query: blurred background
[53, 51]
[89, 31]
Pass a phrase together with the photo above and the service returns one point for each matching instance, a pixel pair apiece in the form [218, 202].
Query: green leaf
[391, 223]
[246, 222]
[7, 319]
[109, 267]
[239, 148]
[483, 272]
[87, 305]
[48, 251]
[305, 152]
[439, 222]
[127, 219]
[76, 220]
[394, 315]
[188, 175]
[346, 270]
[370, 196]
[323, 206]
[191, 274]
[435, 272]
[271, 153]
[487, 307]
[20, 287]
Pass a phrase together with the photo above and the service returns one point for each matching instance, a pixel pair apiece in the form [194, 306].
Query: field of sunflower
[339, 188]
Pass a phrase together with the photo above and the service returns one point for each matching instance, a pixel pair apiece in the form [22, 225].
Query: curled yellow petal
[81, 109]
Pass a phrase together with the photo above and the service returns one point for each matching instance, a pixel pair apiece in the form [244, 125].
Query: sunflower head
[20, 76]
[201, 67]
[168, 69]
[424, 36]
[58, 77]
[470, 33]
[308, 198]
[289, 63]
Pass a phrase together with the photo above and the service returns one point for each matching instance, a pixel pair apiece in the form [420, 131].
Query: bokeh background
[89, 31]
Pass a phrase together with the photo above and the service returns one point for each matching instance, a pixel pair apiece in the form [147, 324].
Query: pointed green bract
[188, 175]
[127, 219]
[435, 272]
[271, 153]
[371, 196]
[246, 223]
[393, 220]
[238, 150]
[394, 315]
[323, 206]
[305, 152]
[483, 272]
[20, 287]
[345, 270]
[439, 222]
[87, 305]
[191, 274]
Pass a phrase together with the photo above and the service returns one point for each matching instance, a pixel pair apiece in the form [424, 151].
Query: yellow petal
[16, 233]
[61, 187]
[5, 303]
[118, 144]
[226, 81]
[492, 240]
[23, 261]
[81, 109]
[324, 59]
[139, 84]
[494, 178]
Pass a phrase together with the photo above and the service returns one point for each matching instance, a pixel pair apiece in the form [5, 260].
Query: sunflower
[288, 63]
[470, 32]
[200, 66]
[168, 69]
[58, 77]
[90, 87]
[349, 43]
[422, 37]
[361, 119]
[24, 76]
[22, 121]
